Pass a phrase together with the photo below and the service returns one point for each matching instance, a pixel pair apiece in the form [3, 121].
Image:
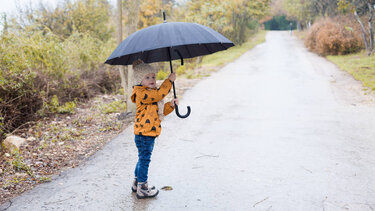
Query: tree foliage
[82, 16]
[305, 12]
[231, 18]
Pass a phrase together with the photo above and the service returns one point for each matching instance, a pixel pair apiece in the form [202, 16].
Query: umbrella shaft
[170, 63]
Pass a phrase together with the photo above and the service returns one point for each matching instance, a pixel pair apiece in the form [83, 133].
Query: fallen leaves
[167, 188]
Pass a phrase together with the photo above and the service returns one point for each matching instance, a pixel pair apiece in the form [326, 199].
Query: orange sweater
[147, 121]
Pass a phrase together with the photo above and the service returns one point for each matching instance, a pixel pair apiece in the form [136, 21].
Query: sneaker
[135, 184]
[143, 191]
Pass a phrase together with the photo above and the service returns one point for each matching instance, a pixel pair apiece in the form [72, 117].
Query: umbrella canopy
[167, 42]
[164, 41]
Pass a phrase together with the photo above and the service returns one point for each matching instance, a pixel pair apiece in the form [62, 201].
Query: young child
[147, 125]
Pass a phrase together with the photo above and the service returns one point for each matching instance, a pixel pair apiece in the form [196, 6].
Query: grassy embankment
[223, 57]
[361, 66]
[214, 62]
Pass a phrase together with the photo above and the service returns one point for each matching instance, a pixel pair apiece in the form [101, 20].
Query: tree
[231, 18]
[119, 40]
[305, 12]
[133, 14]
[83, 16]
[360, 8]
[5, 25]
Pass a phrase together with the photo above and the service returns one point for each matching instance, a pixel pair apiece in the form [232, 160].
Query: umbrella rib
[127, 59]
[207, 48]
[147, 54]
[187, 49]
[223, 45]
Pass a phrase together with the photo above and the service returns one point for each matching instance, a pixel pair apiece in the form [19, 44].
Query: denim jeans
[145, 145]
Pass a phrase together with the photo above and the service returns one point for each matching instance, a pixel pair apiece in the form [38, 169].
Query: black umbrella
[167, 42]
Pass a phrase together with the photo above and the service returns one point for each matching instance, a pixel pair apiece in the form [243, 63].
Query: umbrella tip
[164, 17]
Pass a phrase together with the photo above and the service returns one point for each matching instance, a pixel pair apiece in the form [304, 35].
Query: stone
[31, 139]
[12, 142]
[20, 174]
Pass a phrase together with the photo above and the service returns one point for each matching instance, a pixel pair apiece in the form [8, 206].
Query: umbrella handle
[180, 55]
[183, 116]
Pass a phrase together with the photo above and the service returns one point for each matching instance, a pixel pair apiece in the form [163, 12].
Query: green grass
[223, 57]
[361, 66]
[300, 34]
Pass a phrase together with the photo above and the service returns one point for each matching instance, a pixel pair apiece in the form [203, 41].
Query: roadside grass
[300, 34]
[223, 57]
[361, 66]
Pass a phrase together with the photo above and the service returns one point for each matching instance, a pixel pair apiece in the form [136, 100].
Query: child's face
[149, 80]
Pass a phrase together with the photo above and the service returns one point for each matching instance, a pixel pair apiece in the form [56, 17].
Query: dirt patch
[64, 141]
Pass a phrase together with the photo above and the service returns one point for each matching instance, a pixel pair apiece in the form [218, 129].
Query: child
[147, 126]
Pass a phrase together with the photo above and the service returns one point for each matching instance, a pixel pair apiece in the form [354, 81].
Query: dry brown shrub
[334, 36]
[17, 110]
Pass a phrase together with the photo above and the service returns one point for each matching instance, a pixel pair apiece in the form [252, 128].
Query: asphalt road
[278, 129]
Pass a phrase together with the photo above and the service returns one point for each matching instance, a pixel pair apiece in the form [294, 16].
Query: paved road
[278, 129]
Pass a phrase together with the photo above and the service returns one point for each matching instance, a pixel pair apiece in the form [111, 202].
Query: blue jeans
[145, 145]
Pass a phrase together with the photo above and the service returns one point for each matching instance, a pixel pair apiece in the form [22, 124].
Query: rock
[31, 139]
[12, 142]
[20, 174]
[7, 155]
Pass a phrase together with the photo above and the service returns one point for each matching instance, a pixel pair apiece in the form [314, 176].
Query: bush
[181, 70]
[114, 107]
[161, 75]
[333, 37]
[36, 66]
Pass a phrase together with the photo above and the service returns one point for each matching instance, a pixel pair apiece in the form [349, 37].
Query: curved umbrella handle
[180, 55]
[183, 116]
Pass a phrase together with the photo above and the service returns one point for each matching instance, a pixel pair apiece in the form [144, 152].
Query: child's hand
[174, 102]
[172, 77]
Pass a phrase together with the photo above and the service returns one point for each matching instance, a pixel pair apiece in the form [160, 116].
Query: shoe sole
[144, 197]
[135, 190]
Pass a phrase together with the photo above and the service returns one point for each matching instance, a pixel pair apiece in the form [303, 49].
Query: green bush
[113, 107]
[162, 75]
[37, 65]
[67, 108]
[181, 70]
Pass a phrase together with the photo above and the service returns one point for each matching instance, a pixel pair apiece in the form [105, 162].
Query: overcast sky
[9, 6]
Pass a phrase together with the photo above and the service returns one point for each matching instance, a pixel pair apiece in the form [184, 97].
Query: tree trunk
[299, 27]
[119, 40]
[131, 28]
[364, 36]
[5, 29]
[309, 25]
[371, 30]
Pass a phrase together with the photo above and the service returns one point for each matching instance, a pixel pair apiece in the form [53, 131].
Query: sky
[9, 6]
